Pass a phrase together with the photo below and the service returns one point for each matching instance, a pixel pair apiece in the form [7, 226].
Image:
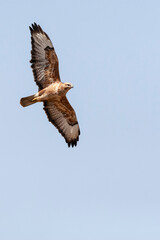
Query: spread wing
[63, 116]
[43, 58]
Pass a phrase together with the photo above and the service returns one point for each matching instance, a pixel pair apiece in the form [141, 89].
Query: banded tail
[26, 101]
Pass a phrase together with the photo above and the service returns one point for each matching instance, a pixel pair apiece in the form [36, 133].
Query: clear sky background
[108, 187]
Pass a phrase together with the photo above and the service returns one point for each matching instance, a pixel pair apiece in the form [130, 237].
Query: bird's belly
[48, 96]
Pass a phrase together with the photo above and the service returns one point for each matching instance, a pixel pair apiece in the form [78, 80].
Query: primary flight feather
[52, 92]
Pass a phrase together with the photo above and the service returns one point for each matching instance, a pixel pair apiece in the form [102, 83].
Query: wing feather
[62, 115]
[43, 58]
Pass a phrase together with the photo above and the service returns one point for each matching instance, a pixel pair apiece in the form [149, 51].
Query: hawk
[52, 92]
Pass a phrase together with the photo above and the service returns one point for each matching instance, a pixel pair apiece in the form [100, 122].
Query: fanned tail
[26, 101]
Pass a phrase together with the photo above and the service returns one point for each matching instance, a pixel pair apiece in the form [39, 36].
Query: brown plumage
[52, 92]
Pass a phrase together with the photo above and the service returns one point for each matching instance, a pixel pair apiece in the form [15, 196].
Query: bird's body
[52, 92]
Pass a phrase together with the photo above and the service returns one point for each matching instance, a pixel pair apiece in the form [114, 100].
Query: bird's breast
[51, 92]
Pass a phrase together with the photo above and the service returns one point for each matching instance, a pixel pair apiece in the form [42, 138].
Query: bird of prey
[52, 92]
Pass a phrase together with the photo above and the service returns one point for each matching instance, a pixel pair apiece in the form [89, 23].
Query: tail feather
[26, 101]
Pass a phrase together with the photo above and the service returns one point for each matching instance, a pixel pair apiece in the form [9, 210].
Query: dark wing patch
[62, 115]
[43, 58]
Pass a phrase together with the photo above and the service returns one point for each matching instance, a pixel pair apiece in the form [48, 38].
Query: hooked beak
[72, 86]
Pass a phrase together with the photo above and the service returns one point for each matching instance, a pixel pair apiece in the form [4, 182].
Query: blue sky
[108, 186]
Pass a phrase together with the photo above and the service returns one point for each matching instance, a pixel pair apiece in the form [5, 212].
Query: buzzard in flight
[52, 92]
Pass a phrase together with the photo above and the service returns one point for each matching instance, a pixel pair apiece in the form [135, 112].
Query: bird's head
[67, 86]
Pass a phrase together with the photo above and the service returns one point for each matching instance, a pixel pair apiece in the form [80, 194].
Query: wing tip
[35, 28]
[73, 142]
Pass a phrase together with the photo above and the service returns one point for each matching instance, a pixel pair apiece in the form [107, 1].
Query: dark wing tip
[73, 142]
[35, 28]
[31, 30]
